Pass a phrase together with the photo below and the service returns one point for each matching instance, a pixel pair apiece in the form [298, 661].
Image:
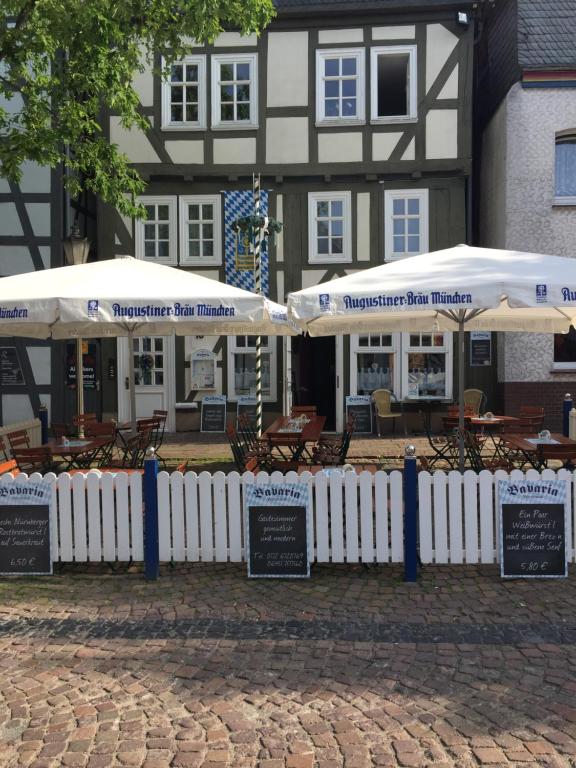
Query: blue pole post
[410, 514]
[43, 416]
[566, 408]
[151, 548]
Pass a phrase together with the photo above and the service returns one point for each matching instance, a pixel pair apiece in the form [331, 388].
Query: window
[156, 236]
[374, 362]
[565, 350]
[200, 230]
[393, 84]
[234, 91]
[329, 227]
[426, 365]
[148, 361]
[405, 223]
[340, 86]
[184, 95]
[565, 171]
[242, 367]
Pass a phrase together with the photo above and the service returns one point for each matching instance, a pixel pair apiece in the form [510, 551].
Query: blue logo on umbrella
[541, 294]
[93, 308]
[324, 302]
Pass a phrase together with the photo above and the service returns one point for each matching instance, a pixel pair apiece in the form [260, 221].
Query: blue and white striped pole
[258, 289]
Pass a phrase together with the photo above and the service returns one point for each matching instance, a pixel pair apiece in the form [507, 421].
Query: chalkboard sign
[25, 528]
[278, 530]
[10, 368]
[480, 348]
[532, 529]
[213, 416]
[360, 406]
[247, 407]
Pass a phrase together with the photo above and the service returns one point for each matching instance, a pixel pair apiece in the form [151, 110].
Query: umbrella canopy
[127, 296]
[485, 288]
[457, 289]
[131, 297]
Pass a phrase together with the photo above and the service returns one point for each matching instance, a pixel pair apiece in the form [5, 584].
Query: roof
[546, 33]
[312, 6]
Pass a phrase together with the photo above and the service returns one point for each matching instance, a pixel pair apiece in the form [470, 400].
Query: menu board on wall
[278, 521]
[480, 348]
[25, 546]
[247, 406]
[213, 415]
[532, 528]
[10, 367]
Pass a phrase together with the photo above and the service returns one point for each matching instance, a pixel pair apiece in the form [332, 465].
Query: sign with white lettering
[360, 406]
[10, 367]
[247, 406]
[278, 530]
[213, 415]
[25, 547]
[532, 528]
[480, 348]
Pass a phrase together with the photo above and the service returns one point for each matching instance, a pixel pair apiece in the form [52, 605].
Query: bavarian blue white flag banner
[485, 288]
[116, 297]
[237, 204]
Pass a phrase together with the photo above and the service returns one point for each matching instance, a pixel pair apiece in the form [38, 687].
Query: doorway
[92, 371]
[315, 375]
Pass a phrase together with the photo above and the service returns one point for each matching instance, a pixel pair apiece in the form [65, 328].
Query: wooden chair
[531, 418]
[564, 453]
[162, 416]
[247, 431]
[473, 451]
[18, 439]
[33, 459]
[3, 450]
[237, 447]
[105, 430]
[60, 430]
[383, 402]
[156, 427]
[303, 410]
[334, 452]
[133, 453]
[444, 449]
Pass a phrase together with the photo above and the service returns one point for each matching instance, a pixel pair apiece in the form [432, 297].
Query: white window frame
[332, 53]
[389, 196]
[560, 200]
[447, 349]
[230, 58]
[185, 258]
[321, 258]
[412, 113]
[172, 259]
[271, 349]
[393, 349]
[185, 125]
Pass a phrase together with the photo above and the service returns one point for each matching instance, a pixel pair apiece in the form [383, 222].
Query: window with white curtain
[565, 168]
[242, 367]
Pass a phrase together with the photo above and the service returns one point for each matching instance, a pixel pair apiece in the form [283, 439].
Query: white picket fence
[355, 518]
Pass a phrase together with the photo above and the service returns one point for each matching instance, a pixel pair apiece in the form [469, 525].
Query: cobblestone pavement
[351, 668]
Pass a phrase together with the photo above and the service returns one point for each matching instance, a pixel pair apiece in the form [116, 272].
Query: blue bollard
[151, 546]
[566, 408]
[410, 486]
[43, 417]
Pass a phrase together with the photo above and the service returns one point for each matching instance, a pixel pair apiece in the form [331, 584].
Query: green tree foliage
[65, 62]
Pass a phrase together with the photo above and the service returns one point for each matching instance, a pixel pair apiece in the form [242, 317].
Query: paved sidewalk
[352, 668]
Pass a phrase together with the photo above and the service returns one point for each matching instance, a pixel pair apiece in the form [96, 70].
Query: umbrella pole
[461, 353]
[131, 385]
[80, 386]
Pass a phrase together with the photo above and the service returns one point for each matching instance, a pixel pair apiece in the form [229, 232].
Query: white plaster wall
[517, 205]
[340, 147]
[287, 140]
[234, 151]
[383, 144]
[440, 43]
[394, 33]
[133, 142]
[187, 151]
[441, 134]
[287, 53]
[331, 36]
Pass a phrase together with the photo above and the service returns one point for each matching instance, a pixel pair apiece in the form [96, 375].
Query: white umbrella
[457, 289]
[131, 297]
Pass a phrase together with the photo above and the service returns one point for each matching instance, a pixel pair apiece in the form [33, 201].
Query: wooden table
[280, 434]
[76, 452]
[497, 421]
[536, 451]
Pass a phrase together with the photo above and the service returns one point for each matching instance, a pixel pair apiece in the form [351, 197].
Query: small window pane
[414, 339]
[348, 66]
[147, 344]
[176, 114]
[207, 231]
[331, 88]
[163, 251]
[149, 231]
[150, 211]
[332, 67]
[426, 340]
[191, 113]
[192, 73]
[323, 245]
[158, 378]
[243, 71]
[332, 108]
[158, 344]
[176, 73]
[163, 213]
[244, 112]
[226, 93]
[193, 248]
[243, 93]
[399, 226]
[363, 341]
[349, 88]
[322, 227]
[337, 245]
[349, 108]
[337, 227]
[207, 211]
[226, 72]
[149, 250]
[194, 231]
[413, 206]
[208, 248]
[398, 244]
[227, 112]
[413, 244]
[413, 226]
[194, 212]
[398, 206]
[177, 94]
[322, 208]
[163, 231]
[336, 208]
